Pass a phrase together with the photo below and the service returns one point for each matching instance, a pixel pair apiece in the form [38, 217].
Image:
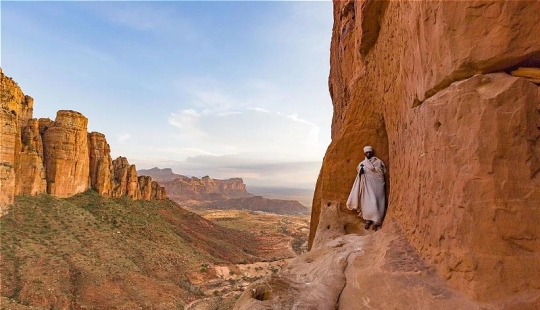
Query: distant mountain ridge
[208, 193]
[157, 174]
[182, 188]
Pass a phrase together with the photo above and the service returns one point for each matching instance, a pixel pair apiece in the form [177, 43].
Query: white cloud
[253, 129]
[122, 137]
[257, 169]
[259, 110]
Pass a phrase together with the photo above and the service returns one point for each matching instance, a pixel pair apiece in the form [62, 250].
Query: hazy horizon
[226, 89]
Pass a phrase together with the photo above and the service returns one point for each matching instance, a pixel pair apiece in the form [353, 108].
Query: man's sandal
[368, 224]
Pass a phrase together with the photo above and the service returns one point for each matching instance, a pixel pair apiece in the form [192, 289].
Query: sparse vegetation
[78, 246]
[66, 251]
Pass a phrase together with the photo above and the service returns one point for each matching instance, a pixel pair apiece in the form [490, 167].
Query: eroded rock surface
[65, 154]
[374, 271]
[182, 188]
[59, 157]
[429, 85]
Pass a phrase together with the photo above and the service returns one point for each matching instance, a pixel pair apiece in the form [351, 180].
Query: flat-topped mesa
[59, 157]
[205, 188]
[229, 185]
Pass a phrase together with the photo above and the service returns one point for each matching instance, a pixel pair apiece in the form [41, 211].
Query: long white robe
[368, 191]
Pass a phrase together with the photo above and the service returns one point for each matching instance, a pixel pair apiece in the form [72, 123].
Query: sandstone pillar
[65, 148]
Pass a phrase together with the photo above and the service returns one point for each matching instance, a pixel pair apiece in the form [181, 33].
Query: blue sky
[226, 89]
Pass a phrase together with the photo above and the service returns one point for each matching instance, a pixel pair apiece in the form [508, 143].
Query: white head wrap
[368, 148]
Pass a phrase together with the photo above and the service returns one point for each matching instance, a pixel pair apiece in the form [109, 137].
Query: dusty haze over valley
[200, 155]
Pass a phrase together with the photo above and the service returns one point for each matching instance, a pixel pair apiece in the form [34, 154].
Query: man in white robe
[368, 193]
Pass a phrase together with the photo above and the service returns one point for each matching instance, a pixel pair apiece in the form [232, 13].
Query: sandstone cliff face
[15, 114]
[205, 188]
[59, 157]
[100, 163]
[30, 175]
[430, 86]
[65, 153]
[182, 188]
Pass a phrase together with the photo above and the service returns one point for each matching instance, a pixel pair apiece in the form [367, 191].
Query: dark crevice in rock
[469, 69]
[372, 14]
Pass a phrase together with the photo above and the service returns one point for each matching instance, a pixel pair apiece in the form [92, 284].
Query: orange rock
[145, 186]
[372, 271]
[100, 164]
[65, 150]
[418, 81]
[125, 179]
[15, 112]
[58, 157]
[30, 176]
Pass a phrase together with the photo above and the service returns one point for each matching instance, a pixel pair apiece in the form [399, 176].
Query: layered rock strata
[100, 163]
[447, 94]
[65, 154]
[182, 188]
[59, 157]
[30, 175]
[15, 113]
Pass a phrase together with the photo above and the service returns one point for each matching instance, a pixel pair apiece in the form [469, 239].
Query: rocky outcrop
[59, 157]
[370, 271]
[30, 175]
[65, 154]
[182, 188]
[100, 164]
[204, 189]
[437, 89]
[125, 179]
[15, 112]
[207, 193]
[157, 174]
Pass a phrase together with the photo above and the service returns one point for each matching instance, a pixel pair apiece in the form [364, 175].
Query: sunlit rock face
[181, 187]
[31, 177]
[124, 183]
[65, 152]
[100, 163]
[127, 183]
[432, 86]
[21, 167]
[59, 157]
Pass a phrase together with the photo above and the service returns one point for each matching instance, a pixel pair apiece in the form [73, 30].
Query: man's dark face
[369, 154]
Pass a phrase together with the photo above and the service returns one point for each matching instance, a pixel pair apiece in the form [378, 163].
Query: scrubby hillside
[88, 251]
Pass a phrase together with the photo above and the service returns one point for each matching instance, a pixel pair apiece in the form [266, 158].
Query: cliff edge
[447, 94]
[437, 88]
[59, 157]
